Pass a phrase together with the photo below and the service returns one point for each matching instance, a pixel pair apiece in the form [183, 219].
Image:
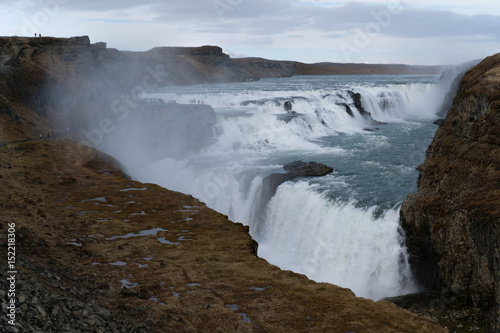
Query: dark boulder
[271, 182]
[287, 106]
[294, 170]
[348, 109]
[356, 98]
[311, 169]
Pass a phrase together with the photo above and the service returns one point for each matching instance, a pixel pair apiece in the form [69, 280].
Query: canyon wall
[452, 223]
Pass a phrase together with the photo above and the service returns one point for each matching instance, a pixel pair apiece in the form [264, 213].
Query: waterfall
[342, 228]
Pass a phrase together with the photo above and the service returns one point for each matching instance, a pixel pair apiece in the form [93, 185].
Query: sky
[420, 32]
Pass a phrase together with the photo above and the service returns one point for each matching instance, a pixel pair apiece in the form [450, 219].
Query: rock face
[294, 170]
[70, 79]
[452, 223]
[94, 91]
[356, 97]
[271, 182]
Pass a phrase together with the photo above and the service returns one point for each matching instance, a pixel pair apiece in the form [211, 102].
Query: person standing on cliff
[35, 34]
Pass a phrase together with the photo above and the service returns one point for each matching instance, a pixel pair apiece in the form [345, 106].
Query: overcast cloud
[416, 32]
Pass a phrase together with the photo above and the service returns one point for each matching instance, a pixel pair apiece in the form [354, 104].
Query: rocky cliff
[35, 73]
[452, 223]
[67, 79]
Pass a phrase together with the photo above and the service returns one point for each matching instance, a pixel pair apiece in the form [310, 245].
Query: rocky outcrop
[66, 78]
[59, 84]
[452, 223]
[356, 102]
[270, 183]
[356, 97]
[294, 170]
[264, 68]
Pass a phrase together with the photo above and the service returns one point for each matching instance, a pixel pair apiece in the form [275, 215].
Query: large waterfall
[342, 228]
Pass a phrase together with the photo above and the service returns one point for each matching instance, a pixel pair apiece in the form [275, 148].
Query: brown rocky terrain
[452, 223]
[98, 252]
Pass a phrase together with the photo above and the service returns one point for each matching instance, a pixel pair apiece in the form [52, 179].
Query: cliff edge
[48, 84]
[452, 223]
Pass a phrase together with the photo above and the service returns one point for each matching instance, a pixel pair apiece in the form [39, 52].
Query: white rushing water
[342, 228]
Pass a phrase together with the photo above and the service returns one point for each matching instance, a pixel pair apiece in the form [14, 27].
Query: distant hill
[275, 68]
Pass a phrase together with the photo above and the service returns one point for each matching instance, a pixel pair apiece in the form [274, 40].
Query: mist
[103, 103]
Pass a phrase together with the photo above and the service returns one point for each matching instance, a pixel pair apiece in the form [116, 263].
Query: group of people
[48, 135]
[39, 35]
[53, 135]
[193, 101]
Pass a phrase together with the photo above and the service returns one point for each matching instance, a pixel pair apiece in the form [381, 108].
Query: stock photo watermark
[222, 7]
[11, 274]
[48, 9]
[364, 36]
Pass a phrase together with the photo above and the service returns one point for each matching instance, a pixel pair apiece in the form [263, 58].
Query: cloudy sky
[369, 31]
